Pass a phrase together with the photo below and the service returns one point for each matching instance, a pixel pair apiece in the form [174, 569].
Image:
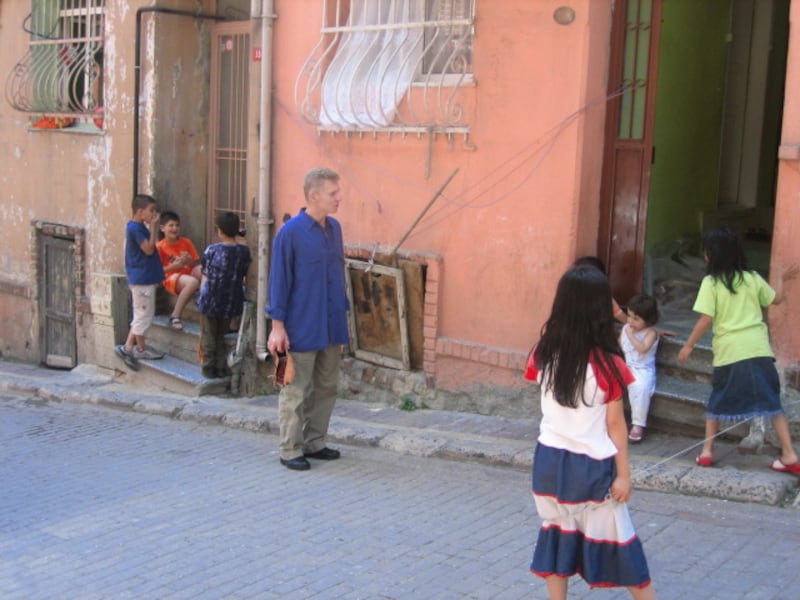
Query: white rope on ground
[692, 447]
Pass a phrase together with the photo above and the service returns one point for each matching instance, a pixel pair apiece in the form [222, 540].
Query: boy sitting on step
[181, 264]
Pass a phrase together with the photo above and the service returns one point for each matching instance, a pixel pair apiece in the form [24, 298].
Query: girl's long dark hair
[725, 257]
[581, 325]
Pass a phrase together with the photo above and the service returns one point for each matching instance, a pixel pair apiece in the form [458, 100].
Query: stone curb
[648, 473]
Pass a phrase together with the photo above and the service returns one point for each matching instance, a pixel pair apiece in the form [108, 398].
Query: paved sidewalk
[661, 463]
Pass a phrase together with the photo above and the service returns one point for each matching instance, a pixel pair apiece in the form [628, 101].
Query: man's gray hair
[316, 176]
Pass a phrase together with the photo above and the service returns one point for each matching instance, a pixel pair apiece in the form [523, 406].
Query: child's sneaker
[128, 357]
[147, 354]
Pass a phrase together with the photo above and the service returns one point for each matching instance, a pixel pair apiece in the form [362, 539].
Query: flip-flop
[782, 467]
[704, 461]
[176, 323]
[636, 434]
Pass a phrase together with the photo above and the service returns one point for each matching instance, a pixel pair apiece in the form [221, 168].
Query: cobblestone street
[96, 503]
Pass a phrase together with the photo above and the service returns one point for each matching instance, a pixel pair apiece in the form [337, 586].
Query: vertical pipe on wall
[266, 17]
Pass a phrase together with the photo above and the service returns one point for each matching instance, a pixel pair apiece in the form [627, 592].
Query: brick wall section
[496, 357]
[15, 289]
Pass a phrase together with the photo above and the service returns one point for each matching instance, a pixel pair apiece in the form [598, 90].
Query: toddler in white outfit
[639, 342]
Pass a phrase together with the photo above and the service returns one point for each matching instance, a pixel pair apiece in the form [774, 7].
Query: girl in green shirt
[745, 382]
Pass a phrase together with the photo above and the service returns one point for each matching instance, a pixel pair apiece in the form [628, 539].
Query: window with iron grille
[389, 64]
[62, 72]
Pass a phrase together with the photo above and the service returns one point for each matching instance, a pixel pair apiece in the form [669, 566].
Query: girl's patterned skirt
[583, 530]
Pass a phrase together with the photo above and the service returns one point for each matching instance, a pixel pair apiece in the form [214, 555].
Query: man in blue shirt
[308, 306]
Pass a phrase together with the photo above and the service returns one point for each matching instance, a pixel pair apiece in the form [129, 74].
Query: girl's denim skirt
[744, 389]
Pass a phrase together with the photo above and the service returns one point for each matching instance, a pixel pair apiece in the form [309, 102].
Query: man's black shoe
[296, 464]
[325, 454]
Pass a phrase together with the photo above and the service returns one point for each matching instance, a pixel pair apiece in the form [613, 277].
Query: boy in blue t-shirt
[145, 273]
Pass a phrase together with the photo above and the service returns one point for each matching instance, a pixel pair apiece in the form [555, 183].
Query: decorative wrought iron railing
[61, 72]
[389, 65]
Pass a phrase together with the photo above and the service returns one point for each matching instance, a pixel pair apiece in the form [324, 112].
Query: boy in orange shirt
[181, 265]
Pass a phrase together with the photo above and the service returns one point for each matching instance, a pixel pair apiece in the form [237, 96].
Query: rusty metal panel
[378, 325]
[57, 302]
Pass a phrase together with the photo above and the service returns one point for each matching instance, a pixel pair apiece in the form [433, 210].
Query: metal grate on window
[389, 65]
[61, 73]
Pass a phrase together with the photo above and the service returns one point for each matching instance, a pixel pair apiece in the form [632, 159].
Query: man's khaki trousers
[305, 406]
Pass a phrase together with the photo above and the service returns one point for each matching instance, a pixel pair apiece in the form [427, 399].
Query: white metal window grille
[61, 73]
[389, 65]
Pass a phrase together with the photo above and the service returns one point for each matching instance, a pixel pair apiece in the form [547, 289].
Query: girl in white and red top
[581, 475]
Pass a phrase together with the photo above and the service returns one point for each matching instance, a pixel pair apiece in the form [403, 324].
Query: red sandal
[781, 467]
[704, 461]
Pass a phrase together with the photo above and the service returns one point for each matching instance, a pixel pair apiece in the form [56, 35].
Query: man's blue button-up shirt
[307, 283]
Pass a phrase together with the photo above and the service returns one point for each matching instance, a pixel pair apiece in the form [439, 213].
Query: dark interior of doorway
[721, 74]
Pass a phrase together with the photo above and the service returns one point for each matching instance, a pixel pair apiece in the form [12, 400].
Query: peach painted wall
[785, 247]
[78, 179]
[525, 199]
[82, 178]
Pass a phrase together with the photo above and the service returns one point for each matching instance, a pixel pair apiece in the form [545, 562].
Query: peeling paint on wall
[177, 69]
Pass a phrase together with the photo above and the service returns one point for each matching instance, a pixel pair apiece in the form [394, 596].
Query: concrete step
[179, 371]
[176, 376]
[678, 405]
[697, 368]
[183, 344]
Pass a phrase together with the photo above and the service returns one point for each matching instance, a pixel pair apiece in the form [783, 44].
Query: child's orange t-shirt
[169, 253]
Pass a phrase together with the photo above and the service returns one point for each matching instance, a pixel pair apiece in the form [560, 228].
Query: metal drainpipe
[264, 140]
[136, 72]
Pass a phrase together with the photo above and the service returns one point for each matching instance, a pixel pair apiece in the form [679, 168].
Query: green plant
[407, 402]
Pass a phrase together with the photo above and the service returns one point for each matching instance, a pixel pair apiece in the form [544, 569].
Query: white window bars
[61, 73]
[389, 65]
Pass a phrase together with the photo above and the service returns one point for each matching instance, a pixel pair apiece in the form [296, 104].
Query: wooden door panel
[629, 143]
[625, 225]
[57, 302]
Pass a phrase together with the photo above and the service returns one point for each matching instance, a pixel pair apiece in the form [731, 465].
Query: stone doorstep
[179, 371]
[176, 376]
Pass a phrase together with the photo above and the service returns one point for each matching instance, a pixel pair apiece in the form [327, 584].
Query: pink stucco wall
[785, 248]
[524, 201]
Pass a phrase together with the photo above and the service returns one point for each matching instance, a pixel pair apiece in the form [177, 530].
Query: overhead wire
[544, 144]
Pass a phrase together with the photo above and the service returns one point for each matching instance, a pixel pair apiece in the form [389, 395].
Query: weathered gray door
[57, 301]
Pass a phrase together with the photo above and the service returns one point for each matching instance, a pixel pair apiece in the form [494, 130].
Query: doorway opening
[702, 121]
[59, 266]
[230, 89]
